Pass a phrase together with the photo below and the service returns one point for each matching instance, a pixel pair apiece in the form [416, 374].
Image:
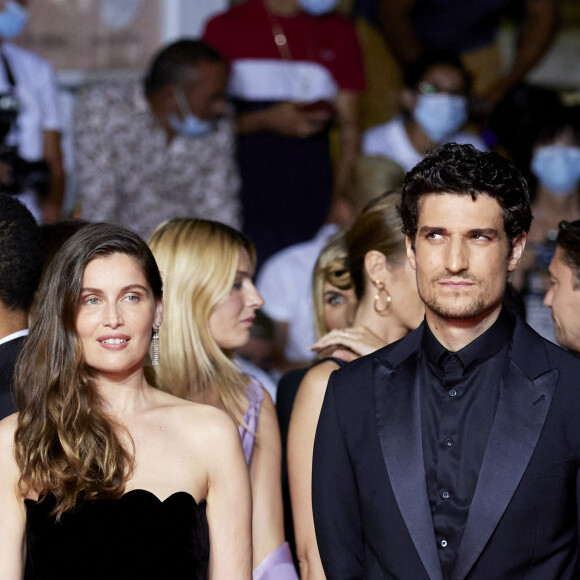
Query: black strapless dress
[134, 537]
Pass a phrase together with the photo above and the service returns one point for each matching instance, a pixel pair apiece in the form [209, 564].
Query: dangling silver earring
[155, 358]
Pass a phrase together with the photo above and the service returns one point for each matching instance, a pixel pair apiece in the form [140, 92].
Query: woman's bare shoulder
[7, 428]
[8, 467]
[316, 379]
[195, 420]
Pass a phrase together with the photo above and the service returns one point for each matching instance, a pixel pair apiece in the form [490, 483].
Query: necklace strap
[280, 39]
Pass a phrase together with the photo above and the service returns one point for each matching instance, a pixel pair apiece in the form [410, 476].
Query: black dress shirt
[459, 395]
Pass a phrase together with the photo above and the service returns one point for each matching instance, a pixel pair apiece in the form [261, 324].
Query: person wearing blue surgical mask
[296, 76]
[435, 108]
[32, 122]
[555, 164]
[192, 107]
[149, 149]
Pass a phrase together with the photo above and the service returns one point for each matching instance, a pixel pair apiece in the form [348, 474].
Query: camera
[25, 175]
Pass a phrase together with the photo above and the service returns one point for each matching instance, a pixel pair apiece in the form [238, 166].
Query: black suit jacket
[8, 353]
[371, 510]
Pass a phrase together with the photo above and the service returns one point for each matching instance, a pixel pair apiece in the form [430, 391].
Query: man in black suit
[20, 268]
[454, 452]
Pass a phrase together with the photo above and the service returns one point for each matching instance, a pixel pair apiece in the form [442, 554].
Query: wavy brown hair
[65, 442]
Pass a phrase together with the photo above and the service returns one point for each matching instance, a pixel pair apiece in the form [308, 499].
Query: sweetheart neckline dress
[137, 536]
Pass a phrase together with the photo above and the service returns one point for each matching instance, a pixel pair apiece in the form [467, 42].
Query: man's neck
[454, 334]
[418, 138]
[556, 204]
[282, 7]
[12, 321]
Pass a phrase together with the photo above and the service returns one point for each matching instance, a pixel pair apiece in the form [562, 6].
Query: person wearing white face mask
[434, 110]
[555, 163]
[31, 125]
[151, 150]
[296, 70]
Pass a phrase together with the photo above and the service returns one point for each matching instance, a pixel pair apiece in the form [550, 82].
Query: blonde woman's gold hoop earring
[381, 288]
[155, 357]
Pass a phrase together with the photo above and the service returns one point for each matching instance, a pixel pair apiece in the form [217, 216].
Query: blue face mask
[440, 115]
[318, 7]
[189, 125]
[557, 168]
[13, 19]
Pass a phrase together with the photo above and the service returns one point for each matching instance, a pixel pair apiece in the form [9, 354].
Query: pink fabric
[276, 566]
[279, 564]
[255, 394]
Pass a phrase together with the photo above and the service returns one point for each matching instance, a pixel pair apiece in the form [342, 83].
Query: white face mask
[13, 19]
[440, 115]
[189, 125]
[318, 7]
[557, 168]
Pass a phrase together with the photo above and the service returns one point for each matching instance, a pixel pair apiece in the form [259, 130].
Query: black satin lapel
[398, 415]
[521, 413]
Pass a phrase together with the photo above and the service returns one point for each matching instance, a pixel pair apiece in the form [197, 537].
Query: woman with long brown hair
[101, 474]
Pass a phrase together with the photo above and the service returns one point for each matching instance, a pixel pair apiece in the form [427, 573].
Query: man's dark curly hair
[20, 254]
[569, 241]
[464, 170]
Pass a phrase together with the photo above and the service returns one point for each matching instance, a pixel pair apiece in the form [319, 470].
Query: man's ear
[376, 266]
[407, 99]
[518, 246]
[411, 253]
[167, 94]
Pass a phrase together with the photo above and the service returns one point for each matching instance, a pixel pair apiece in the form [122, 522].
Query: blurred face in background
[563, 298]
[231, 320]
[338, 306]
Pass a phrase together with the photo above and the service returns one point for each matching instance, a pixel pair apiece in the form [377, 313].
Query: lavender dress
[278, 565]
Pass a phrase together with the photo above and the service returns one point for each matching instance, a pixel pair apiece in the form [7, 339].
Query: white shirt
[39, 110]
[285, 282]
[391, 140]
[14, 336]
[250, 369]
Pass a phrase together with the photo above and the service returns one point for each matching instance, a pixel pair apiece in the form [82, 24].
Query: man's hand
[286, 118]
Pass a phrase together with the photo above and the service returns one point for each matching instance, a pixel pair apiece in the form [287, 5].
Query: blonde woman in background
[210, 304]
[389, 307]
[333, 306]
[333, 298]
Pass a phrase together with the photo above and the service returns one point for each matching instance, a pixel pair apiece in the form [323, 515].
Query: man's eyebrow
[490, 232]
[432, 230]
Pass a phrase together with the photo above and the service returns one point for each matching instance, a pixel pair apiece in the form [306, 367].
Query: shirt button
[445, 494]
[452, 393]
[448, 442]
[443, 543]
[453, 359]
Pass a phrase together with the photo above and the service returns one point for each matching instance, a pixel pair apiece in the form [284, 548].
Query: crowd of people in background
[159, 411]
